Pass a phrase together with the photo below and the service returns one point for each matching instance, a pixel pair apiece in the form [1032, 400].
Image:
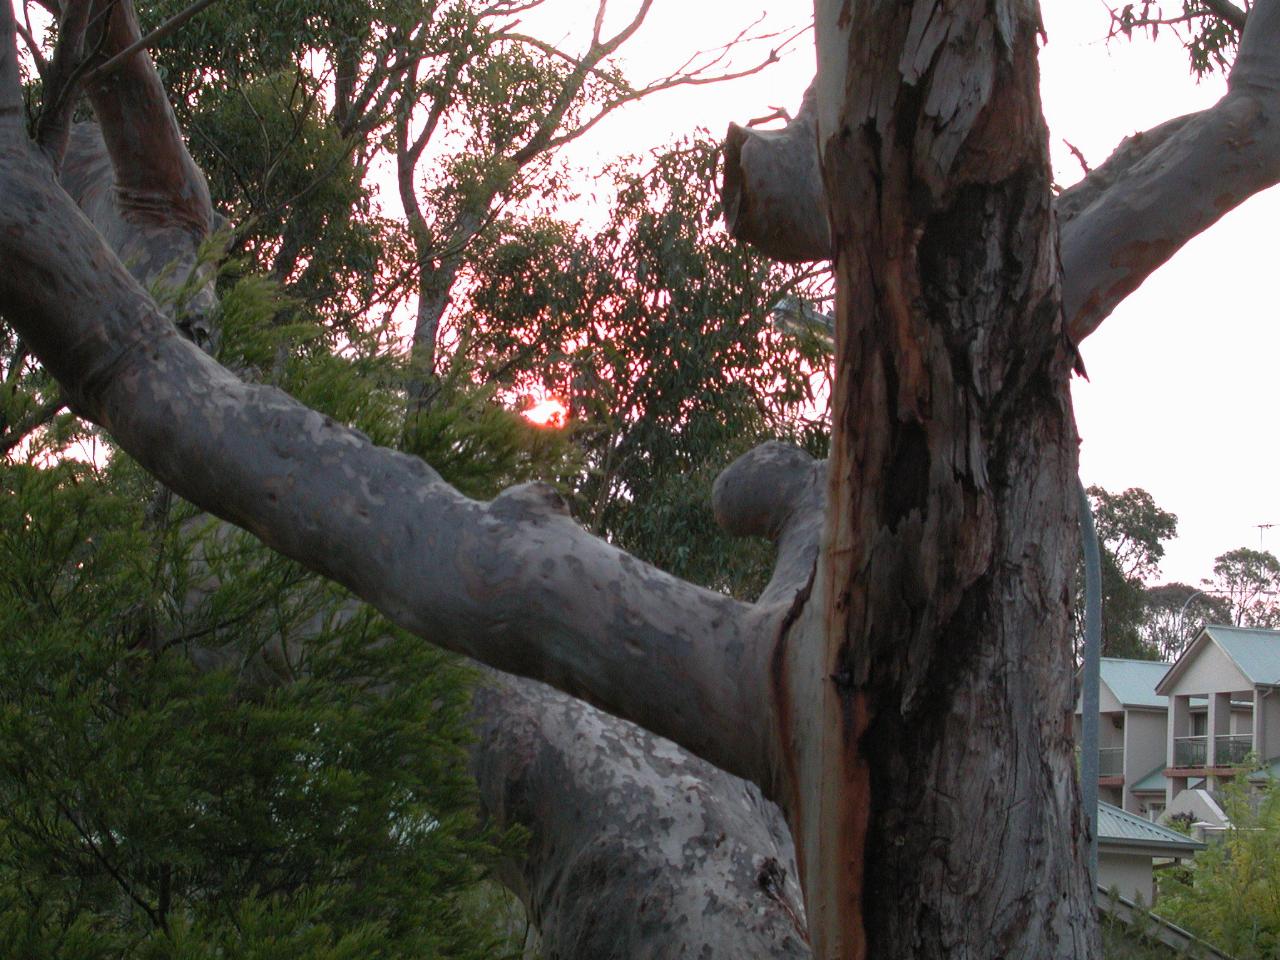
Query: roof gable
[1254, 654]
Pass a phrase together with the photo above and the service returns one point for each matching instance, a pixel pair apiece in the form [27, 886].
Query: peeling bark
[939, 764]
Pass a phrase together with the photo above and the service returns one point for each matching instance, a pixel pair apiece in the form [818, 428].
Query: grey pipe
[1091, 667]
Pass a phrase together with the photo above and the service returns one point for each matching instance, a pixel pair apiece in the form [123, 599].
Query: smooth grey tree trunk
[605, 875]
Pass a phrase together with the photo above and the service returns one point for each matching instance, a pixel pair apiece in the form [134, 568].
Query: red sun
[547, 413]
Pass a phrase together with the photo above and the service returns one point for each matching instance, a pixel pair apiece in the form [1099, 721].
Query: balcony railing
[1111, 762]
[1231, 750]
[1190, 751]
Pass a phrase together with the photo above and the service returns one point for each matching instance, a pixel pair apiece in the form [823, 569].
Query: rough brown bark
[934, 804]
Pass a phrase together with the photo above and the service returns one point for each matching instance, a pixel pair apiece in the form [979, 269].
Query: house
[1131, 735]
[1223, 707]
[1128, 847]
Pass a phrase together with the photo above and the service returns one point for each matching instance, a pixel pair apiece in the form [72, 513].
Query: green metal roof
[1118, 826]
[1134, 681]
[1255, 652]
[1152, 782]
[1270, 771]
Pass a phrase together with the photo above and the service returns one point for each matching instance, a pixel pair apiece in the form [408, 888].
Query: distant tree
[1249, 580]
[1174, 612]
[656, 328]
[1230, 895]
[1132, 530]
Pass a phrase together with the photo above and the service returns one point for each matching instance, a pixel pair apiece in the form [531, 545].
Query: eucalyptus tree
[593, 771]
[1132, 530]
[900, 686]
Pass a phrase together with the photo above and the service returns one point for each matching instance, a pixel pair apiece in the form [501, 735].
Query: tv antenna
[1262, 528]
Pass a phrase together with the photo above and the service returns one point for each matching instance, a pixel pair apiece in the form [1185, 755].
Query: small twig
[159, 33]
[1076, 152]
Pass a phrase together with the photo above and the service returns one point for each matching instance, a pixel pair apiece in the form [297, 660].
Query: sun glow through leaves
[548, 412]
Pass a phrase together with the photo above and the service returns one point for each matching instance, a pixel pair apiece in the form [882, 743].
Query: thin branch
[120, 879]
[599, 23]
[42, 65]
[42, 416]
[1229, 12]
[1079, 155]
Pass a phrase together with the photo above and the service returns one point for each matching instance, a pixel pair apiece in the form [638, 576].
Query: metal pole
[1091, 668]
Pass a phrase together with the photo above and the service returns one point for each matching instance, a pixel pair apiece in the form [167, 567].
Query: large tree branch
[636, 849]
[514, 583]
[779, 492]
[156, 179]
[772, 188]
[1159, 190]
[1127, 218]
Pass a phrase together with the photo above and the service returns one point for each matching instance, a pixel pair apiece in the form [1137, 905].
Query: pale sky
[1180, 392]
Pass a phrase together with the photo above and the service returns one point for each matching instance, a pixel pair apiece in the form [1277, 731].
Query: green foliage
[165, 795]
[656, 329]
[1210, 39]
[1132, 530]
[1249, 580]
[1230, 896]
[207, 751]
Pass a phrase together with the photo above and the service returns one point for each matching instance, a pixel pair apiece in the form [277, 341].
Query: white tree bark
[638, 850]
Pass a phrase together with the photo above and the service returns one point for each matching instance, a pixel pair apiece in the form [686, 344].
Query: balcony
[1111, 762]
[1190, 752]
[1231, 750]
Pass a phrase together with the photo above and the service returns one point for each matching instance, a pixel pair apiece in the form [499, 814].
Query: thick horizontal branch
[514, 583]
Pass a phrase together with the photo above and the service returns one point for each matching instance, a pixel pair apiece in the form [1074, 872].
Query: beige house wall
[1144, 749]
[1129, 873]
[1209, 671]
[1266, 729]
